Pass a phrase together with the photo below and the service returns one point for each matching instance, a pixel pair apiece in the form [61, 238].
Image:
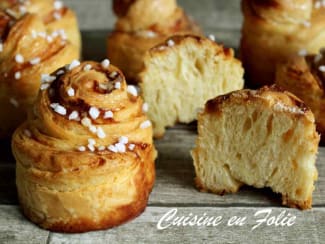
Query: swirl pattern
[26, 52]
[85, 157]
[141, 25]
[305, 77]
[54, 14]
[275, 30]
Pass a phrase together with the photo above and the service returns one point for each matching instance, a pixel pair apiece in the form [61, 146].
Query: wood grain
[14, 228]
[174, 186]
[306, 229]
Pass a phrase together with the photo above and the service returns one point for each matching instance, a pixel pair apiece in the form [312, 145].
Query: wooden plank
[175, 174]
[14, 228]
[222, 14]
[306, 229]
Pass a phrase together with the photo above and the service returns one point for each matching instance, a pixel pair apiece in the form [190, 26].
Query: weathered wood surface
[306, 229]
[174, 189]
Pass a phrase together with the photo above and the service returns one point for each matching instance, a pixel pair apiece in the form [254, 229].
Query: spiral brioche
[275, 30]
[184, 72]
[55, 15]
[305, 77]
[142, 24]
[135, 15]
[263, 138]
[85, 156]
[26, 52]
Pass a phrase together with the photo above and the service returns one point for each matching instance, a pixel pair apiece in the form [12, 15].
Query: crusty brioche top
[280, 100]
[137, 15]
[179, 40]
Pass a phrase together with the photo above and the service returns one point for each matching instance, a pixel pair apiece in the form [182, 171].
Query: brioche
[181, 74]
[85, 156]
[26, 52]
[54, 14]
[135, 15]
[274, 30]
[305, 77]
[141, 25]
[263, 138]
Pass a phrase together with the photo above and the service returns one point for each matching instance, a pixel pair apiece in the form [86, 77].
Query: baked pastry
[305, 77]
[85, 156]
[274, 30]
[263, 138]
[55, 15]
[141, 25]
[181, 74]
[26, 52]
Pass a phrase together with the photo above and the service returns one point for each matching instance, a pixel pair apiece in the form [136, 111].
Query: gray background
[211, 14]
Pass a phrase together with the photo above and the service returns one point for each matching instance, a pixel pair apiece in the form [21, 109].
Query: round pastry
[274, 30]
[26, 52]
[55, 15]
[134, 35]
[135, 15]
[85, 156]
[181, 74]
[305, 77]
[263, 138]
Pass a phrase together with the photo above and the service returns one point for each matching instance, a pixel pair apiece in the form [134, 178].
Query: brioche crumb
[179, 80]
[245, 139]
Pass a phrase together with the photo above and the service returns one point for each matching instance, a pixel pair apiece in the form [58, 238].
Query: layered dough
[263, 138]
[275, 30]
[305, 77]
[54, 14]
[27, 52]
[141, 25]
[85, 156]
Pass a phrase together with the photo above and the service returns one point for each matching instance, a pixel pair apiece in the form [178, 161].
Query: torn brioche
[181, 74]
[263, 138]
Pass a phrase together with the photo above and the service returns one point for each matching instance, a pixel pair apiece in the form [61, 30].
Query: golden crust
[275, 30]
[139, 15]
[70, 177]
[125, 51]
[280, 102]
[66, 18]
[302, 77]
[20, 81]
[270, 94]
[126, 46]
[185, 39]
